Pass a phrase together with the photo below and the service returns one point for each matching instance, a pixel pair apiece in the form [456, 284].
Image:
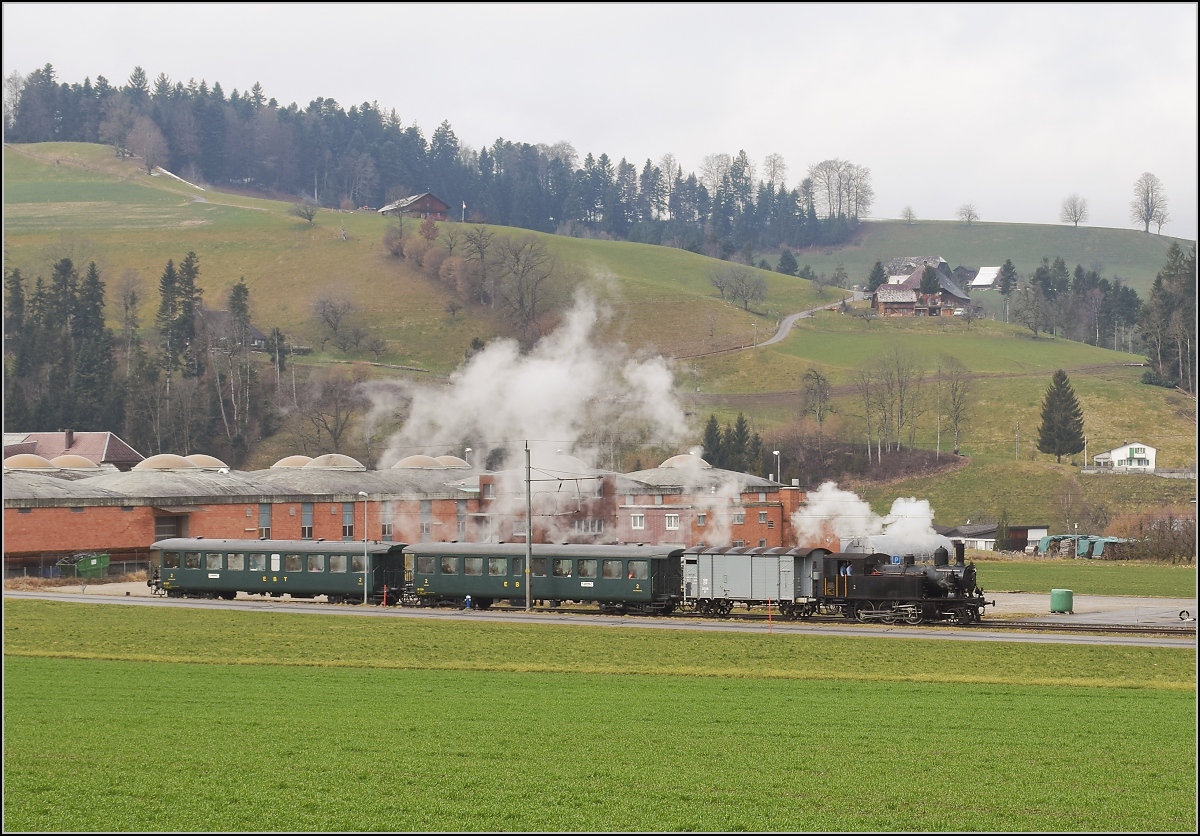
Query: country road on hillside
[785, 325]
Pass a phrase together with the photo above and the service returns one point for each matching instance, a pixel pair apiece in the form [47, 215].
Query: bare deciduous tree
[328, 405]
[526, 286]
[1161, 216]
[117, 124]
[908, 215]
[968, 214]
[1149, 198]
[956, 379]
[478, 247]
[739, 283]
[1074, 210]
[147, 141]
[775, 169]
[306, 210]
[330, 312]
[1030, 307]
[817, 399]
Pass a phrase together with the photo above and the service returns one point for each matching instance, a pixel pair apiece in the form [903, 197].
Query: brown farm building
[424, 205]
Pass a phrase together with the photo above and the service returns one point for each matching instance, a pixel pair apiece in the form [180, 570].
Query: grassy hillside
[79, 201]
[1133, 255]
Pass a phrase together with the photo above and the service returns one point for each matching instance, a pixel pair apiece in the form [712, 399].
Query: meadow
[122, 718]
[1085, 577]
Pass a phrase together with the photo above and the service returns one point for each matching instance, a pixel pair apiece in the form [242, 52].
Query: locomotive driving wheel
[913, 616]
[864, 611]
[889, 611]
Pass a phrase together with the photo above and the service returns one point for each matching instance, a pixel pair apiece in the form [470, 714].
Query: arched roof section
[202, 460]
[420, 461]
[335, 461]
[165, 461]
[27, 461]
[73, 460]
[685, 461]
[452, 461]
[292, 461]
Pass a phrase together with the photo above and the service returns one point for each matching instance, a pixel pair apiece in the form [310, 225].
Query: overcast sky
[1008, 107]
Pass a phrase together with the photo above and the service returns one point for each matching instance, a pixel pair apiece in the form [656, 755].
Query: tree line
[365, 156]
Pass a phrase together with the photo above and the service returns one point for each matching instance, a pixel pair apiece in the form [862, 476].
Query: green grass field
[1085, 577]
[121, 718]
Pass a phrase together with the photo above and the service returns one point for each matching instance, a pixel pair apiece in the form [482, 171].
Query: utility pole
[528, 531]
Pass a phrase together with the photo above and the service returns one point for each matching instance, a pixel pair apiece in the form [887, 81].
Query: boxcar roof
[544, 550]
[322, 546]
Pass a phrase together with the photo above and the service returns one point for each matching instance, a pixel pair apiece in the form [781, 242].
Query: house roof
[986, 277]
[406, 203]
[98, 447]
[895, 293]
[222, 322]
[904, 265]
[944, 282]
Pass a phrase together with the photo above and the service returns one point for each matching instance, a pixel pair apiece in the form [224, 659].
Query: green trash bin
[87, 565]
[1062, 600]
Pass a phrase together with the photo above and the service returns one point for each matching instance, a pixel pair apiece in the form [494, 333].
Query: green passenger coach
[643, 579]
[204, 568]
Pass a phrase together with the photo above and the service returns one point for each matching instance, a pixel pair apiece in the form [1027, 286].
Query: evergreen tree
[1006, 280]
[878, 277]
[713, 447]
[929, 281]
[1002, 537]
[787, 263]
[1061, 432]
[188, 300]
[737, 445]
[168, 312]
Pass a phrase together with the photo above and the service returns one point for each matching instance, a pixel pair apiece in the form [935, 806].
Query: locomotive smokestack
[960, 553]
[941, 557]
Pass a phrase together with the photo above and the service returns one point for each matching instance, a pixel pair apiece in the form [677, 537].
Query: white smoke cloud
[840, 520]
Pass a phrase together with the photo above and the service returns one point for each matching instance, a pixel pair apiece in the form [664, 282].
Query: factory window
[658, 499]
[737, 544]
[316, 563]
[76, 509]
[739, 519]
[337, 563]
[588, 526]
[258, 563]
[425, 527]
[166, 527]
[587, 567]
[562, 567]
[628, 499]
[762, 516]
[212, 561]
[30, 510]
[519, 528]
[347, 520]
[497, 565]
[612, 569]
[489, 491]
[426, 564]
[473, 566]
[357, 564]
[191, 560]
[599, 488]
[538, 565]
[306, 521]
[762, 497]
[386, 531]
[170, 560]
[123, 508]
[770, 524]
[762, 542]
[462, 525]
[639, 570]
[638, 521]
[264, 520]
[292, 563]
[672, 522]
[701, 519]
[235, 562]
[449, 565]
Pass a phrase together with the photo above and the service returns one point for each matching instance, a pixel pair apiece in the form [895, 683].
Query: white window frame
[637, 522]
[671, 522]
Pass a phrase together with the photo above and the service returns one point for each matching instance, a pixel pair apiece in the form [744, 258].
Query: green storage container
[1062, 600]
[91, 566]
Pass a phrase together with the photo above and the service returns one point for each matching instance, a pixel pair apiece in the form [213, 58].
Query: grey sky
[1010, 107]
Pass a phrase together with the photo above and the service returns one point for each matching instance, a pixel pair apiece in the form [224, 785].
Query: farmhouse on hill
[901, 295]
[424, 205]
[1132, 456]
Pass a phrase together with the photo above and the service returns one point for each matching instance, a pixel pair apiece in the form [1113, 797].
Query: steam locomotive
[640, 579]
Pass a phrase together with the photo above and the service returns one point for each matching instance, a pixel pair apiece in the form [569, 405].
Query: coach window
[212, 561]
[587, 567]
[426, 564]
[170, 560]
[473, 566]
[235, 562]
[449, 565]
[538, 565]
[258, 563]
[337, 563]
[191, 560]
[518, 566]
[639, 570]
[612, 569]
[497, 565]
[292, 563]
[357, 565]
[316, 563]
[562, 567]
